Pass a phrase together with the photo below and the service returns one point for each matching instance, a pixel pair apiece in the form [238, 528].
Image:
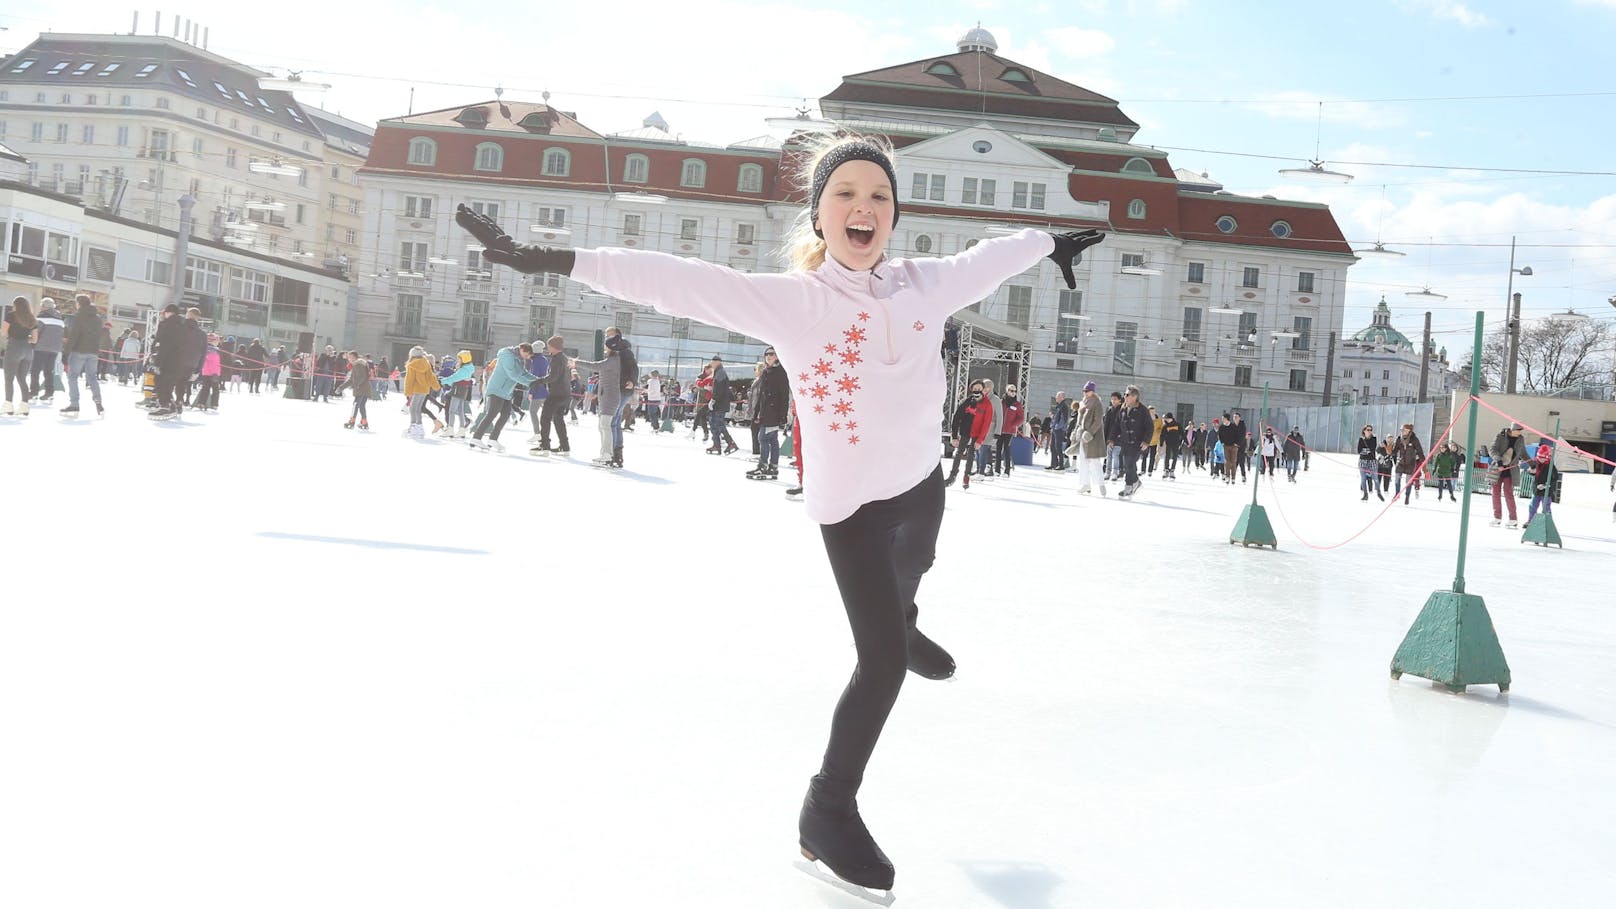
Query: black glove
[500, 249]
[1068, 251]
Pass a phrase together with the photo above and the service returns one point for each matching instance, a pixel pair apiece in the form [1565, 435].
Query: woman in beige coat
[1088, 438]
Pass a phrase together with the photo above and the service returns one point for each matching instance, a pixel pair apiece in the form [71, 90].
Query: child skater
[859, 334]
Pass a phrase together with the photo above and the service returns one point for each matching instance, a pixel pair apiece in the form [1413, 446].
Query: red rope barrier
[1386, 508]
[1570, 450]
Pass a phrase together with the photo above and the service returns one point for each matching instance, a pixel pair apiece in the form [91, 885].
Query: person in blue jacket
[1059, 419]
[457, 382]
[510, 373]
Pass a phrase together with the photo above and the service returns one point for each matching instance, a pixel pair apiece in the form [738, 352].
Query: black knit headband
[841, 154]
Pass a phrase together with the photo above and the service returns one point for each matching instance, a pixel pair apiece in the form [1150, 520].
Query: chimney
[205, 38]
[187, 31]
[176, 26]
[157, 27]
[134, 29]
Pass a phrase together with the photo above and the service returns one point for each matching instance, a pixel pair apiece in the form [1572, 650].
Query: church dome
[1381, 333]
[978, 39]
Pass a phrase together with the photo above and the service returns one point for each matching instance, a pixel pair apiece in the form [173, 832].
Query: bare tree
[1559, 354]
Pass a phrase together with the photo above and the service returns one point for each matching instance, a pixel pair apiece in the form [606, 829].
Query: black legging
[553, 412]
[207, 393]
[878, 556]
[1001, 453]
[967, 451]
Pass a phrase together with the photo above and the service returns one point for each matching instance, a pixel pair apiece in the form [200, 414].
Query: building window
[412, 256]
[1027, 195]
[923, 243]
[624, 320]
[745, 234]
[1280, 229]
[229, 157]
[636, 169]
[1385, 374]
[196, 147]
[631, 225]
[1124, 348]
[61, 132]
[491, 209]
[351, 236]
[1242, 376]
[1227, 224]
[928, 187]
[204, 276]
[1196, 273]
[418, 207]
[557, 162]
[987, 192]
[1248, 327]
[490, 157]
[1192, 323]
[1019, 311]
[201, 113]
[1133, 260]
[423, 152]
[1303, 326]
[1251, 277]
[552, 217]
[734, 338]
[1186, 370]
[541, 320]
[693, 173]
[1383, 391]
[688, 228]
[1366, 392]
[126, 101]
[1138, 166]
[302, 212]
[89, 134]
[1185, 413]
[751, 179]
[681, 329]
[1136, 208]
[968, 191]
[1304, 282]
[1298, 380]
[123, 137]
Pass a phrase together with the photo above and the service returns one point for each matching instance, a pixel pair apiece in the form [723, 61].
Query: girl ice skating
[858, 334]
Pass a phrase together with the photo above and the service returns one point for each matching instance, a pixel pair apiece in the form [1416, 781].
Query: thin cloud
[1073, 41]
[1295, 105]
[1448, 11]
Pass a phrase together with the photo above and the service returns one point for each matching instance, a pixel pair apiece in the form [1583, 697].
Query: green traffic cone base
[1452, 643]
[1253, 528]
[1541, 530]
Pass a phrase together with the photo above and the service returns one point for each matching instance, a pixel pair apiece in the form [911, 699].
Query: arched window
[490, 157]
[751, 179]
[694, 173]
[423, 151]
[942, 69]
[557, 162]
[1138, 166]
[636, 169]
[1136, 208]
[1011, 74]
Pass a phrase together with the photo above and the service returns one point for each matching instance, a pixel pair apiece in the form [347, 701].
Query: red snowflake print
[852, 440]
[802, 377]
[847, 384]
[864, 317]
[823, 367]
[854, 335]
[843, 408]
[851, 357]
[835, 427]
[830, 349]
[820, 391]
[819, 408]
[919, 325]
[851, 426]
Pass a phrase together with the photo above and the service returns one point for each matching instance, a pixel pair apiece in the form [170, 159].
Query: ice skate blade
[812, 868]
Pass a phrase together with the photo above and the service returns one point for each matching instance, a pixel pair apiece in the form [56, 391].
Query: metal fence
[1339, 428]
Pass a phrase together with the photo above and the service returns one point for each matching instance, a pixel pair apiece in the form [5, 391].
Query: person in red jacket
[972, 419]
[1015, 412]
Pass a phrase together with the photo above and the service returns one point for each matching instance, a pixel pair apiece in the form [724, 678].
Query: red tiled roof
[554, 122]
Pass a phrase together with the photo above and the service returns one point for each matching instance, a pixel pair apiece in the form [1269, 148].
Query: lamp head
[1526, 271]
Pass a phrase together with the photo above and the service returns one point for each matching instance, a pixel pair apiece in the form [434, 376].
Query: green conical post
[1470, 455]
[1541, 529]
[1253, 529]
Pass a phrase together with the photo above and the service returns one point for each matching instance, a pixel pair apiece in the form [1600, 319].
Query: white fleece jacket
[861, 348]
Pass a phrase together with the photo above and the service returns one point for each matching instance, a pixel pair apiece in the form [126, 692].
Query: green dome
[1381, 332]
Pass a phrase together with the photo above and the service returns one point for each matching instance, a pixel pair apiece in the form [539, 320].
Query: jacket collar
[879, 282]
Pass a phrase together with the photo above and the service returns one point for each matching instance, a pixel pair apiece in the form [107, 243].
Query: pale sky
[1472, 91]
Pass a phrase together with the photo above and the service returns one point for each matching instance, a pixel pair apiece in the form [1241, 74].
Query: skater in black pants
[862, 333]
[1135, 428]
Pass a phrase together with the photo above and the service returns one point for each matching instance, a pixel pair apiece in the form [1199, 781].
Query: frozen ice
[254, 659]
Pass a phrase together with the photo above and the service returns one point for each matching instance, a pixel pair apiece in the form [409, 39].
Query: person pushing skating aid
[858, 334]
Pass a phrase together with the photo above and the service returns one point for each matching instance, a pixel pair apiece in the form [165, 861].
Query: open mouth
[860, 236]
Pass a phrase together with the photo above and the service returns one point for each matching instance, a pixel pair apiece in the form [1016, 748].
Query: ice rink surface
[251, 659]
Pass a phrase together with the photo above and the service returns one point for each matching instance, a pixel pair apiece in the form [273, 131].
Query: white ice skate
[820, 873]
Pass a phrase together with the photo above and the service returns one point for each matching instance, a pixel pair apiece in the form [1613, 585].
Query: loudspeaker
[305, 342]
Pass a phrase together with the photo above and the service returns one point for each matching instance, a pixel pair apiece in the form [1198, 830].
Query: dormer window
[941, 68]
[535, 122]
[1012, 74]
[473, 116]
[1138, 166]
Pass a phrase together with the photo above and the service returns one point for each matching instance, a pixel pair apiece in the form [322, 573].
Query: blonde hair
[804, 250]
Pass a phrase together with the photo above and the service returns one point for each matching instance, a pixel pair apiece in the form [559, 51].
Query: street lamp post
[1512, 302]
